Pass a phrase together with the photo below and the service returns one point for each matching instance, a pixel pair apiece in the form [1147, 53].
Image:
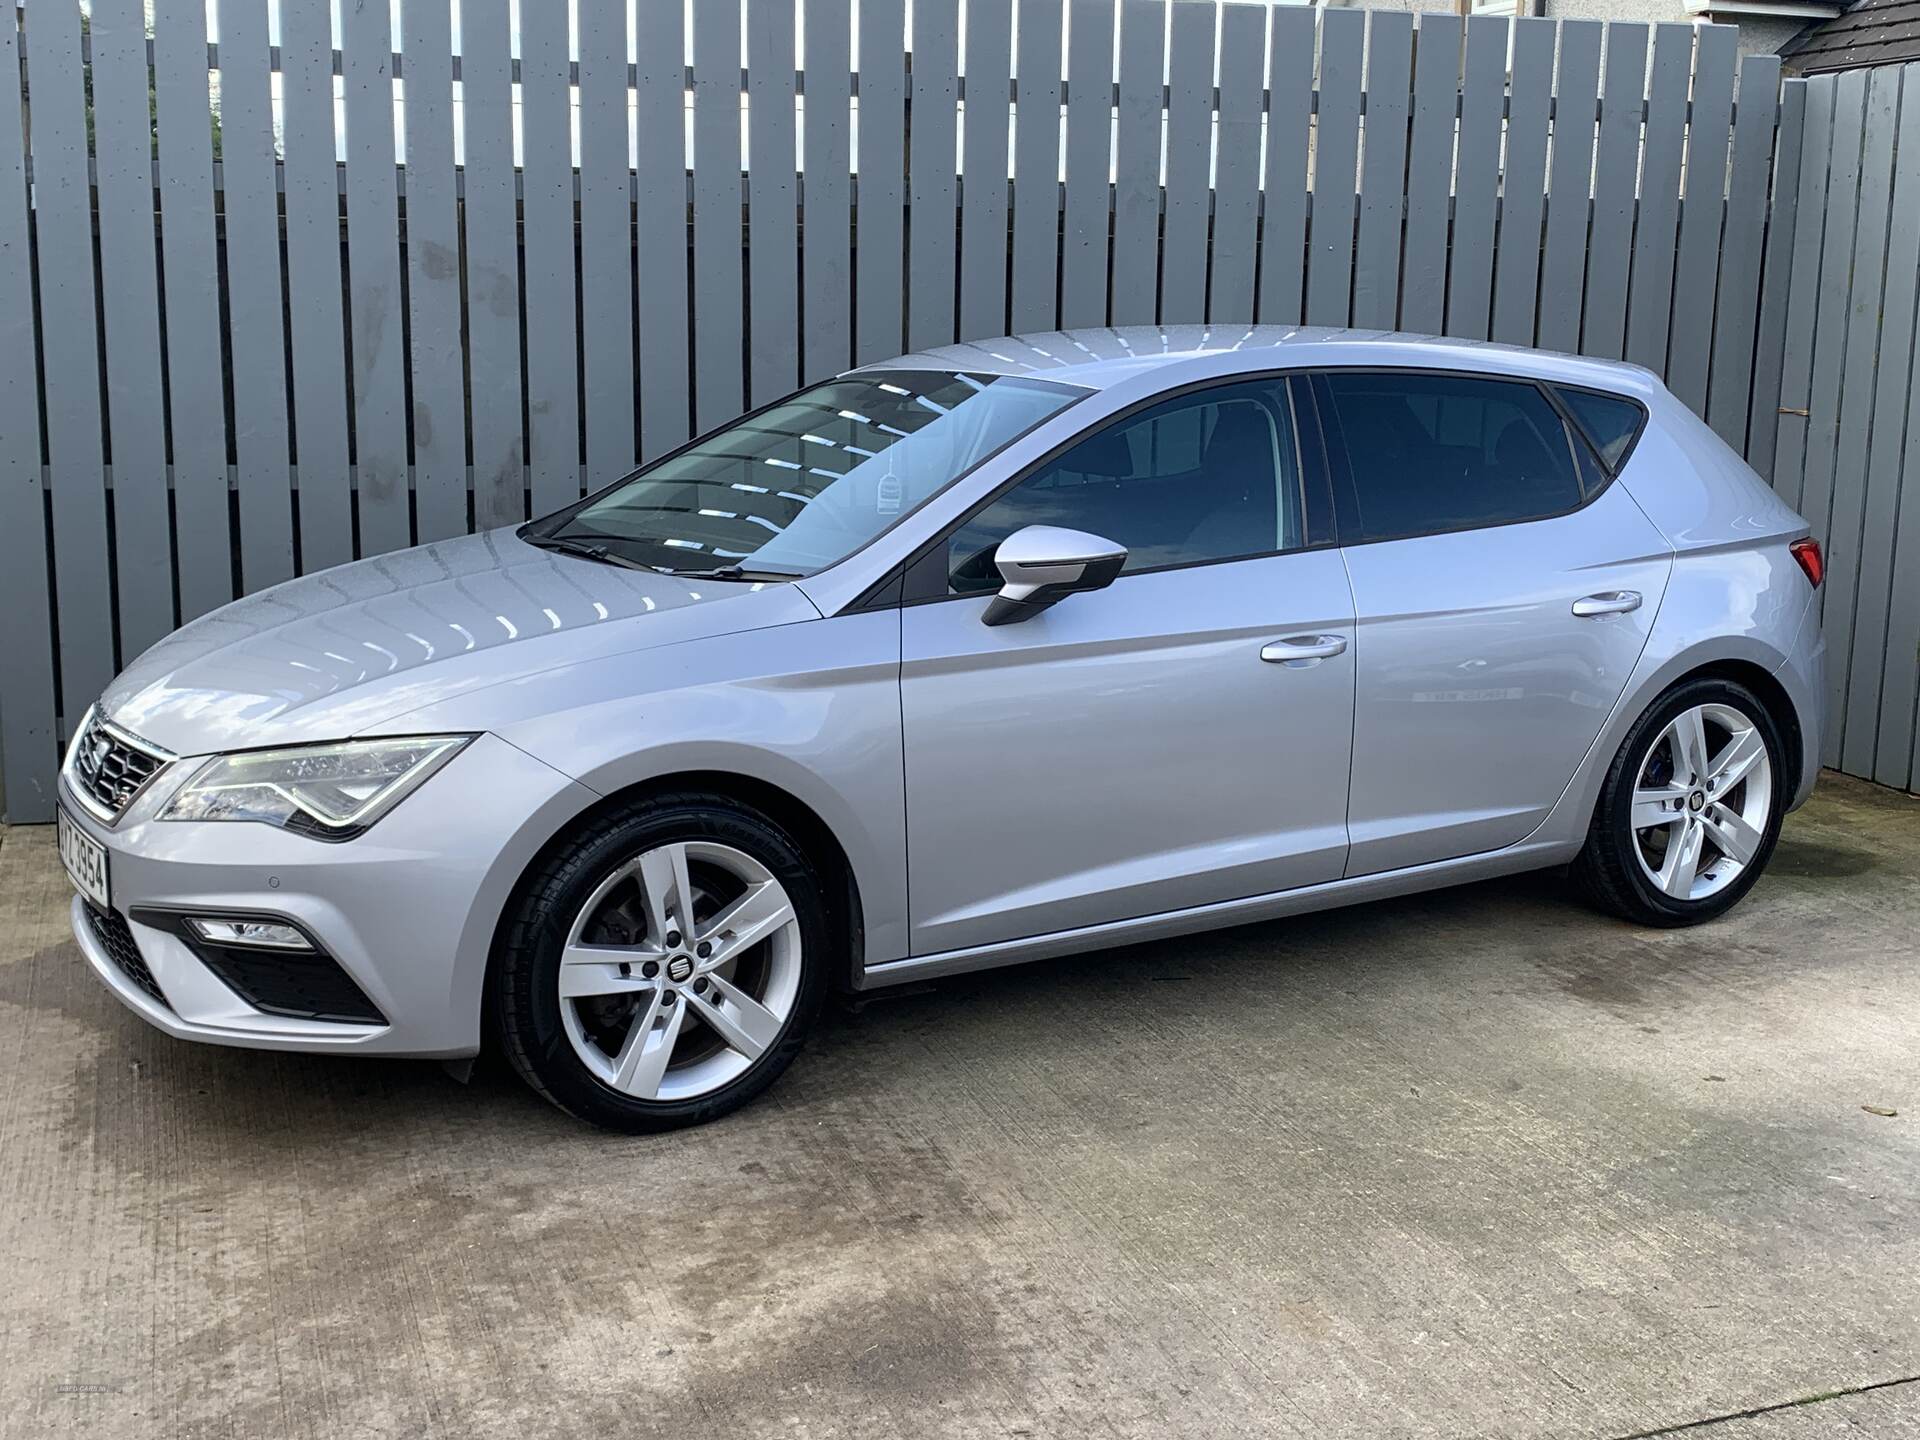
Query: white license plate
[86, 861]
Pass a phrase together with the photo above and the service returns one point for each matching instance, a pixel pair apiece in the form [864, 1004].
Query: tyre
[1691, 807]
[662, 967]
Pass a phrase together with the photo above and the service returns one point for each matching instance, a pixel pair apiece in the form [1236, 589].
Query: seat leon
[1000, 651]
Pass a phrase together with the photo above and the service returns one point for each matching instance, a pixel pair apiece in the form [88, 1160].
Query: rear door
[1503, 592]
[1132, 751]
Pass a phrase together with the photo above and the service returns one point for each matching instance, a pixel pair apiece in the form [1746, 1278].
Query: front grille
[308, 985]
[110, 768]
[115, 934]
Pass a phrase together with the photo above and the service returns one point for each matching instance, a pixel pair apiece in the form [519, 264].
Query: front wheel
[1691, 807]
[663, 968]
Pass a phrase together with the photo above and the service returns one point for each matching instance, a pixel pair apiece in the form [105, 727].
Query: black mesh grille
[308, 985]
[113, 933]
[110, 770]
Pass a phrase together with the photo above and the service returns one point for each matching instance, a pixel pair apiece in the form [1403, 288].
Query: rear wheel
[664, 967]
[1690, 810]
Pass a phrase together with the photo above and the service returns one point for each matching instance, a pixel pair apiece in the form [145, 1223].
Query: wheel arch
[778, 804]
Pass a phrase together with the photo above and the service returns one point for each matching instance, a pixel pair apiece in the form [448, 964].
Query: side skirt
[1528, 855]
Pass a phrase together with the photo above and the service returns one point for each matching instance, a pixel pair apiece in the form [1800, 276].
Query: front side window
[801, 485]
[1434, 452]
[1209, 476]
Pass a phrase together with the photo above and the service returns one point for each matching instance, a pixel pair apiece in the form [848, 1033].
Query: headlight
[331, 792]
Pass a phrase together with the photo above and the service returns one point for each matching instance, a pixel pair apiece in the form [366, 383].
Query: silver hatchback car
[996, 652]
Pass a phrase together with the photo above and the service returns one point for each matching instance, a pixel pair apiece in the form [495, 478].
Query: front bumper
[407, 910]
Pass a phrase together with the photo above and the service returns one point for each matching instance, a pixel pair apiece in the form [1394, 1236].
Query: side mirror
[1043, 564]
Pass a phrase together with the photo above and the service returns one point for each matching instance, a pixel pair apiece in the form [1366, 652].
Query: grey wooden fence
[219, 371]
[1849, 438]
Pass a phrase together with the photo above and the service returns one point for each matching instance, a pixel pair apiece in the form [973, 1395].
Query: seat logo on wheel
[679, 968]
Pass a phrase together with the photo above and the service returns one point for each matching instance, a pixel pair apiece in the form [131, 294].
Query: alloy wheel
[680, 971]
[1702, 797]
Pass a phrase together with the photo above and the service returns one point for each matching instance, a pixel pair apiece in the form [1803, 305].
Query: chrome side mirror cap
[1043, 564]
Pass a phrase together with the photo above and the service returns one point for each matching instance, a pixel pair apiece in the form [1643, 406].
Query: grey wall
[358, 355]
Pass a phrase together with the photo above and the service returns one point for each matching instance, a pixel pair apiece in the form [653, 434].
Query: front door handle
[1607, 602]
[1303, 647]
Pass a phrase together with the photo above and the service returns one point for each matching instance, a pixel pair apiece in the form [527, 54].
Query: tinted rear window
[1435, 452]
[1612, 424]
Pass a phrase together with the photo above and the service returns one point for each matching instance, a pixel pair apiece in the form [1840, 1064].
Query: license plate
[85, 859]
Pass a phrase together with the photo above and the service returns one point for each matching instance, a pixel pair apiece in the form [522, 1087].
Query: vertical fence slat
[1858, 417]
[1236, 194]
[1336, 155]
[1083, 245]
[606, 243]
[1523, 185]
[315, 322]
[1832, 339]
[1697, 261]
[546, 188]
[27, 738]
[1436, 79]
[1036, 168]
[191, 335]
[660, 239]
[1881, 479]
[1731, 362]
[773, 317]
[439, 420]
[1376, 257]
[826, 244]
[1763, 416]
[1283, 227]
[1563, 261]
[1789, 469]
[1183, 279]
[1650, 292]
[1137, 162]
[492, 227]
[931, 137]
[1477, 179]
[1895, 760]
[130, 315]
[983, 212]
[70, 360]
[718, 377]
[192, 330]
[373, 268]
[255, 339]
[1615, 168]
[881, 325]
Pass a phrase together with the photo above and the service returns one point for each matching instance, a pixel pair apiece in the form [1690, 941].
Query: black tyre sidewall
[1613, 833]
[526, 970]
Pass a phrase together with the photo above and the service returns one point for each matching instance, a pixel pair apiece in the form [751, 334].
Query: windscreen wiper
[586, 550]
[737, 572]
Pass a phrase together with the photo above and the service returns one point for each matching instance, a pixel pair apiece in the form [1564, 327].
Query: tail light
[1807, 552]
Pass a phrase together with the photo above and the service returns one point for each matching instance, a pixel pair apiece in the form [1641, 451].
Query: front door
[1130, 752]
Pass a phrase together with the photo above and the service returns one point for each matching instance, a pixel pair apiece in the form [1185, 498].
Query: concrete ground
[1473, 1163]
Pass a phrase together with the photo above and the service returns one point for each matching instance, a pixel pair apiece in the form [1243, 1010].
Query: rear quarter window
[1611, 423]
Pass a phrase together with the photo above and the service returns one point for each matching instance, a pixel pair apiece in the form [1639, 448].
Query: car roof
[1097, 358]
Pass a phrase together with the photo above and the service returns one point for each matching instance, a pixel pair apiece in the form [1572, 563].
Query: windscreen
[802, 484]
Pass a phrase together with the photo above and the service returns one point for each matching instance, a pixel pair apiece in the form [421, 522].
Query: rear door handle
[1303, 647]
[1607, 602]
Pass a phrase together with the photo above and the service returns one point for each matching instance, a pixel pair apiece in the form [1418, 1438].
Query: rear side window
[1434, 452]
[1612, 424]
